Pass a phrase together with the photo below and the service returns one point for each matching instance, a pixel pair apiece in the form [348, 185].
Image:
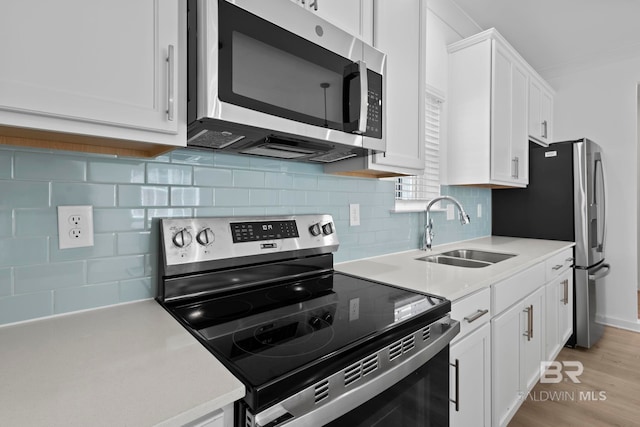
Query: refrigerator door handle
[599, 167]
[598, 273]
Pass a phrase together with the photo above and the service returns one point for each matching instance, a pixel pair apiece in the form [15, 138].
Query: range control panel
[193, 240]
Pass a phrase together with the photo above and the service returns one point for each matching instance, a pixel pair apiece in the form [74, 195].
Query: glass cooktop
[263, 334]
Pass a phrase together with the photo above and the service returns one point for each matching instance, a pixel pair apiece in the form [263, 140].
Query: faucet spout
[428, 228]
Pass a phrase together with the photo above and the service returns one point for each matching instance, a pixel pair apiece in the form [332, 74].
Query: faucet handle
[464, 218]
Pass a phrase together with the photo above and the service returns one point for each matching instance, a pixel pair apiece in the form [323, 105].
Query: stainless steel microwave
[270, 78]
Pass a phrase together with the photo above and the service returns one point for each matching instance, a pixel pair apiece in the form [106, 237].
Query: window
[413, 192]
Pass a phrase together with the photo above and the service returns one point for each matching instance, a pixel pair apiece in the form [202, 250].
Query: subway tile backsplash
[128, 195]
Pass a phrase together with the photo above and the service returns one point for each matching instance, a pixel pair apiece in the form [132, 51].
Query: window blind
[426, 186]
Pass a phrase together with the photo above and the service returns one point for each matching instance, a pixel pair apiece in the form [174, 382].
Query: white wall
[601, 104]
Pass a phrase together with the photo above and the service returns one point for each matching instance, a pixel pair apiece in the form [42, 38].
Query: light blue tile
[162, 158]
[24, 307]
[40, 166]
[103, 246]
[265, 163]
[110, 220]
[231, 161]
[278, 180]
[24, 194]
[250, 179]
[84, 297]
[263, 197]
[300, 167]
[134, 243]
[154, 214]
[142, 195]
[159, 173]
[191, 196]
[367, 185]
[331, 183]
[117, 268]
[5, 282]
[5, 164]
[23, 251]
[280, 210]
[133, 290]
[192, 157]
[210, 177]
[249, 211]
[35, 278]
[337, 199]
[305, 182]
[231, 197]
[100, 195]
[293, 198]
[36, 222]
[212, 211]
[116, 171]
[6, 223]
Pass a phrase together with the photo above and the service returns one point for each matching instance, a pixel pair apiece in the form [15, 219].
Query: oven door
[419, 400]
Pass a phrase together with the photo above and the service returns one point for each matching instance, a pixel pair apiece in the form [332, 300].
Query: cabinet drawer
[513, 289]
[556, 265]
[472, 311]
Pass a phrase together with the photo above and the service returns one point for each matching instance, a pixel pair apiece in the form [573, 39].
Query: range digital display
[263, 230]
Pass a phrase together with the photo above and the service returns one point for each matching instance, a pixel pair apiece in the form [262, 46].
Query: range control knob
[182, 238]
[206, 237]
[315, 229]
[327, 229]
[328, 317]
[315, 322]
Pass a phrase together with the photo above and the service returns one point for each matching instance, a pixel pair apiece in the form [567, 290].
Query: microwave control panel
[374, 110]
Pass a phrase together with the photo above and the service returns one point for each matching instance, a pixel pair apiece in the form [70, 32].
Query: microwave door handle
[364, 98]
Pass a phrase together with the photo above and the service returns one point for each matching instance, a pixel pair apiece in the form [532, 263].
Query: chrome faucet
[428, 228]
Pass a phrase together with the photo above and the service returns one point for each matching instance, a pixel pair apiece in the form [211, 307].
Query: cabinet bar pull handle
[565, 300]
[517, 167]
[314, 5]
[475, 316]
[544, 129]
[529, 332]
[170, 77]
[457, 398]
[364, 98]
[557, 267]
[514, 168]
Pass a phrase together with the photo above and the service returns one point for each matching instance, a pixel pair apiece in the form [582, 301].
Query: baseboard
[630, 325]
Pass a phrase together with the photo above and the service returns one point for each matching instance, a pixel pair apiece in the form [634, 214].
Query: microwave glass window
[266, 68]
[274, 77]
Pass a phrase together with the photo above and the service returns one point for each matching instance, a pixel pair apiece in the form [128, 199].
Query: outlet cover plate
[75, 226]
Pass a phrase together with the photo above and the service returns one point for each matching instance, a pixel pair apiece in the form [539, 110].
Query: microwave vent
[214, 139]
[333, 157]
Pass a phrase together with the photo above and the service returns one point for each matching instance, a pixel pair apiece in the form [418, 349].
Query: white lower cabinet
[471, 380]
[222, 417]
[559, 307]
[517, 338]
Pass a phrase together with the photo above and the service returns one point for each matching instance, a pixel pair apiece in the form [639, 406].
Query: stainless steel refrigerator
[565, 200]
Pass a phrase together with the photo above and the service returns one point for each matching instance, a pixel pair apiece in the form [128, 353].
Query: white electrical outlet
[479, 210]
[450, 215]
[354, 214]
[75, 226]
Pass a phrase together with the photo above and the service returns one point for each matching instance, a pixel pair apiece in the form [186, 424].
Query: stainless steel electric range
[313, 346]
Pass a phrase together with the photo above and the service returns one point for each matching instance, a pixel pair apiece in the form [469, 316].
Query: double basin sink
[470, 258]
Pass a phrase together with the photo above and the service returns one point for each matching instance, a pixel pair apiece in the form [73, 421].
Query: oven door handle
[294, 412]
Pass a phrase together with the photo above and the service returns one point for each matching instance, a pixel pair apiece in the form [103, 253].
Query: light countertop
[402, 269]
[124, 365]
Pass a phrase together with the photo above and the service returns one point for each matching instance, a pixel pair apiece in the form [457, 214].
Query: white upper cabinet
[488, 104]
[540, 110]
[354, 16]
[111, 69]
[405, 91]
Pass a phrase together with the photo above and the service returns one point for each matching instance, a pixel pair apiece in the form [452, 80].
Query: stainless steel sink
[491, 257]
[469, 258]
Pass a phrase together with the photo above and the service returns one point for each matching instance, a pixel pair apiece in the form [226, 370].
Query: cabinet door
[506, 334]
[565, 307]
[472, 390]
[552, 307]
[404, 80]
[509, 120]
[91, 62]
[354, 16]
[532, 349]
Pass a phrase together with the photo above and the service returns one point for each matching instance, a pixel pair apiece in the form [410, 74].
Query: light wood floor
[611, 366]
